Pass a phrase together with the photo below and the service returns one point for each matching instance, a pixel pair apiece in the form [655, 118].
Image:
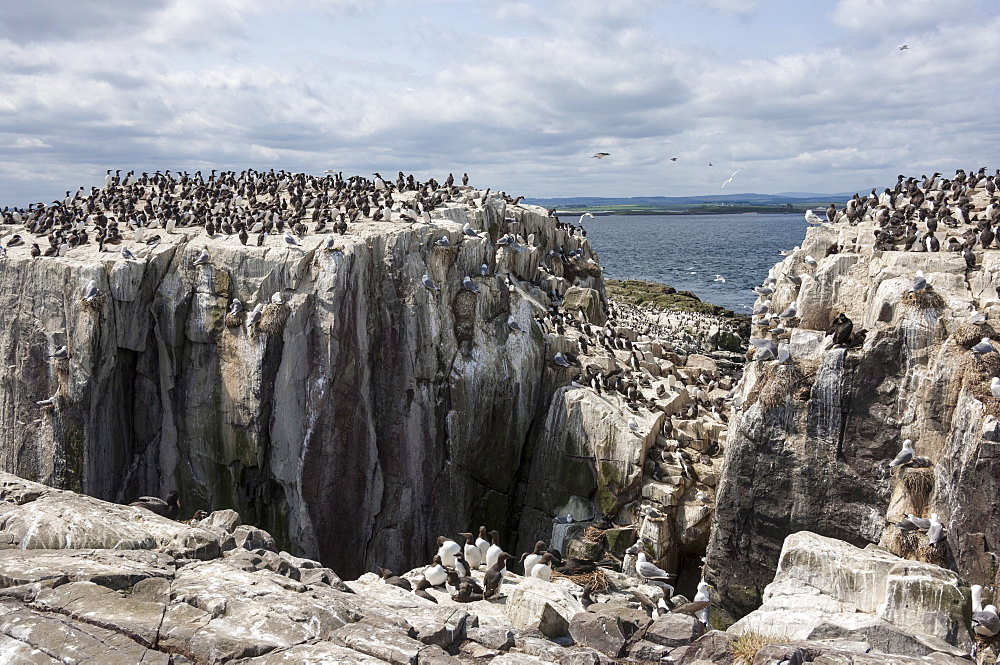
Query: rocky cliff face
[364, 414]
[810, 447]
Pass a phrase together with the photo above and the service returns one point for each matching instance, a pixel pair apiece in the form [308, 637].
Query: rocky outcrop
[125, 593]
[338, 422]
[829, 589]
[810, 446]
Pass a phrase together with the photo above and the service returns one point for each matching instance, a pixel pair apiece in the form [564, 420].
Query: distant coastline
[696, 210]
[790, 203]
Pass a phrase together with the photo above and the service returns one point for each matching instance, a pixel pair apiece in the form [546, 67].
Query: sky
[810, 96]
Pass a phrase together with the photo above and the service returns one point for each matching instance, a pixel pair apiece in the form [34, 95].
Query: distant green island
[727, 204]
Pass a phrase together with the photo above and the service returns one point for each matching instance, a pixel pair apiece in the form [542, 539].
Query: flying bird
[600, 155]
[730, 178]
[904, 47]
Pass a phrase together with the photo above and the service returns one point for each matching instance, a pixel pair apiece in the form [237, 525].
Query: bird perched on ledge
[170, 508]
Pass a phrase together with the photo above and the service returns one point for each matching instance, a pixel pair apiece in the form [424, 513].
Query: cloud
[893, 16]
[519, 94]
[54, 20]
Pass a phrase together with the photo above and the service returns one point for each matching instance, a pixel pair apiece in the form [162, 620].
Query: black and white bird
[429, 283]
[90, 292]
[905, 456]
[935, 533]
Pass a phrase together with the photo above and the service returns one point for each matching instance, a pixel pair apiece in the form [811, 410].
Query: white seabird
[513, 324]
[702, 596]
[255, 315]
[995, 386]
[935, 534]
[905, 456]
[811, 261]
[813, 218]
[469, 284]
[429, 283]
[202, 259]
[650, 571]
[90, 292]
[984, 346]
[985, 621]
[767, 349]
[790, 311]
[919, 281]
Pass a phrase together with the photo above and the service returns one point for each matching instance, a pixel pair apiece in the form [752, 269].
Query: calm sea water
[688, 251]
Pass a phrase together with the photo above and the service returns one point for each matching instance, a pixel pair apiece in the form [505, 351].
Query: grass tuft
[745, 647]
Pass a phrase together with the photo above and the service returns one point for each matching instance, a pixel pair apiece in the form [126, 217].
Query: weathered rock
[598, 631]
[712, 647]
[55, 638]
[827, 654]
[389, 645]
[159, 393]
[494, 637]
[674, 630]
[585, 448]
[549, 607]
[116, 569]
[40, 517]
[91, 603]
[832, 419]
[826, 589]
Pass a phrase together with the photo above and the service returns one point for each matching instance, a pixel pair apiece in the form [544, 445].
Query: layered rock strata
[810, 445]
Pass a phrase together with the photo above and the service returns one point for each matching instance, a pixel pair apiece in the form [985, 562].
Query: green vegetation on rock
[662, 296]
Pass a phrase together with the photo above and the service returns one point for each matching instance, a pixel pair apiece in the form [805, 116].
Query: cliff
[365, 412]
[810, 446]
[363, 408]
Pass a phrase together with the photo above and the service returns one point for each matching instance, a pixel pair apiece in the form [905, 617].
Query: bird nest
[775, 383]
[926, 299]
[934, 554]
[273, 318]
[593, 534]
[976, 371]
[918, 484]
[96, 305]
[597, 578]
[968, 335]
[903, 544]
[235, 320]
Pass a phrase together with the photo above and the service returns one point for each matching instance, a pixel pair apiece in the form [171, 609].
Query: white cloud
[519, 94]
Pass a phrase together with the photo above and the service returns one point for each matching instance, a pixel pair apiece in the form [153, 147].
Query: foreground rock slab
[829, 589]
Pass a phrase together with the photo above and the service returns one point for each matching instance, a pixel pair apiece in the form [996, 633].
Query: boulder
[602, 632]
[674, 630]
[545, 606]
[825, 588]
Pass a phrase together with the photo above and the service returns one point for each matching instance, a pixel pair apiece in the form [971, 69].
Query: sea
[695, 252]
